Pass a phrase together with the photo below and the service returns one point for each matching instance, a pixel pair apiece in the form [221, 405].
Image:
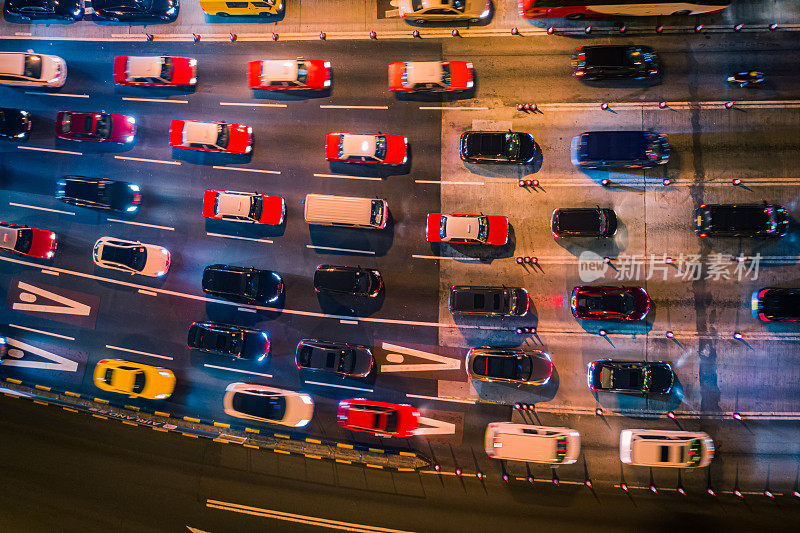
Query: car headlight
[326, 83]
[192, 62]
[161, 396]
[172, 10]
[249, 130]
[130, 138]
[470, 84]
[165, 251]
[52, 236]
[131, 120]
[193, 81]
[306, 399]
[131, 209]
[134, 187]
[164, 373]
[248, 149]
[50, 254]
[160, 273]
[485, 13]
[302, 423]
[20, 136]
[76, 12]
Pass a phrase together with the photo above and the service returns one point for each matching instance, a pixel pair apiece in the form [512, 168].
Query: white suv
[655, 447]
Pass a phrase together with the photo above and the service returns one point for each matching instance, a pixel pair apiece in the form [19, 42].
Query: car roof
[602, 56]
[12, 62]
[737, 216]
[358, 144]
[144, 67]
[424, 72]
[459, 227]
[199, 132]
[8, 236]
[579, 219]
[279, 70]
[233, 204]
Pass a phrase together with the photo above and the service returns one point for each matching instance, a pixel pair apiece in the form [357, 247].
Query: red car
[380, 418]
[609, 303]
[468, 229]
[289, 74]
[430, 76]
[211, 136]
[99, 127]
[366, 148]
[23, 240]
[155, 71]
[244, 207]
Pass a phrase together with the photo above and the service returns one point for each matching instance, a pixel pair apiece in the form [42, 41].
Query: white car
[268, 404]
[655, 447]
[444, 10]
[535, 444]
[30, 69]
[131, 256]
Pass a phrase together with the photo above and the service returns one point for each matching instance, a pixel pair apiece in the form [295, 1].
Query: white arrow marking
[68, 307]
[59, 363]
[442, 362]
[438, 427]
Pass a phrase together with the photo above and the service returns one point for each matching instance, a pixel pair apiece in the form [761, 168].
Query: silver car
[509, 365]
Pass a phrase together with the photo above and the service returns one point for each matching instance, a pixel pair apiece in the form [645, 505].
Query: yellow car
[134, 379]
[263, 8]
[420, 11]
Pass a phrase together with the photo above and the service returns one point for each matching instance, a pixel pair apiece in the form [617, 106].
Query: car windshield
[166, 68]
[133, 257]
[24, 240]
[380, 147]
[361, 282]
[39, 6]
[256, 207]
[261, 406]
[446, 73]
[391, 421]
[138, 382]
[223, 134]
[603, 219]
[104, 124]
[483, 229]
[376, 217]
[512, 145]
[302, 72]
[33, 66]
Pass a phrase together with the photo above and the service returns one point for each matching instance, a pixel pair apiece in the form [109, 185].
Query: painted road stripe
[337, 386]
[42, 332]
[454, 108]
[247, 310]
[348, 321]
[266, 241]
[160, 100]
[52, 273]
[41, 208]
[354, 107]
[237, 370]
[156, 226]
[221, 167]
[346, 250]
[23, 33]
[145, 160]
[415, 256]
[68, 95]
[110, 347]
[454, 400]
[252, 104]
[53, 150]
[343, 176]
[439, 182]
[148, 293]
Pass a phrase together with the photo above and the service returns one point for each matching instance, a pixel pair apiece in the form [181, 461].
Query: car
[467, 229]
[488, 301]
[29, 69]
[131, 256]
[289, 74]
[252, 401]
[497, 147]
[243, 207]
[136, 380]
[619, 149]
[422, 11]
[643, 378]
[509, 365]
[211, 136]
[99, 193]
[615, 61]
[3, 348]
[657, 447]
[430, 76]
[366, 148]
[583, 222]
[609, 303]
[15, 124]
[740, 220]
[229, 340]
[535, 444]
[136, 10]
[24, 240]
[355, 281]
[242, 283]
[98, 127]
[381, 418]
[775, 304]
[155, 71]
[71, 10]
[344, 359]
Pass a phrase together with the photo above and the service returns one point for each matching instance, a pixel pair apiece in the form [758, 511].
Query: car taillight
[704, 234]
[579, 73]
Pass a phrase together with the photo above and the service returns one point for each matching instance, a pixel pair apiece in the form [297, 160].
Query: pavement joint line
[143, 224]
[441, 398]
[453, 108]
[351, 322]
[251, 104]
[157, 100]
[443, 182]
[59, 211]
[337, 386]
[377, 107]
[67, 95]
[119, 348]
[265, 241]
[146, 160]
[147, 293]
[222, 167]
[346, 250]
[50, 272]
[65, 337]
[438, 257]
[237, 370]
[344, 176]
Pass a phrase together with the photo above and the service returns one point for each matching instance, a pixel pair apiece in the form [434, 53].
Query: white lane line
[415, 256]
[348, 321]
[23, 33]
[220, 167]
[237, 370]
[159, 100]
[347, 250]
[52, 150]
[455, 400]
[144, 160]
[68, 95]
[42, 332]
[251, 104]
[246, 310]
[148, 293]
[453, 108]
[354, 107]
[267, 241]
[52, 273]
[41, 208]
[453, 182]
[110, 347]
[337, 386]
[346, 177]
[156, 226]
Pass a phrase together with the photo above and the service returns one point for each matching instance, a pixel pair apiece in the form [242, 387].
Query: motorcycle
[746, 78]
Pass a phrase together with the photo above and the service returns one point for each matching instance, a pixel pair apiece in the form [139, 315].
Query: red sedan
[609, 303]
[155, 71]
[289, 74]
[23, 240]
[244, 207]
[430, 76]
[366, 148]
[380, 418]
[467, 229]
[211, 136]
[98, 127]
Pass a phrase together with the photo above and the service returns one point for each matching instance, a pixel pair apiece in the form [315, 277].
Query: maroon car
[99, 127]
[609, 303]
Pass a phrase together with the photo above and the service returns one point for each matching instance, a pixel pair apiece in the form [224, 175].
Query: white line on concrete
[354, 107]
[42, 93]
[220, 167]
[441, 399]
[145, 160]
[53, 150]
[438, 182]
[156, 226]
[337, 386]
[266, 241]
[41, 208]
[42, 332]
[148, 354]
[159, 100]
[346, 250]
[52, 273]
[453, 108]
[237, 370]
[23, 33]
[148, 293]
[343, 321]
[415, 256]
[252, 104]
[247, 310]
[368, 178]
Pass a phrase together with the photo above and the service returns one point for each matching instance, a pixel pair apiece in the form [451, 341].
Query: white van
[535, 444]
[346, 211]
[655, 447]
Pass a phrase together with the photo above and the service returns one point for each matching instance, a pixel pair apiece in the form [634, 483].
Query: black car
[230, 340]
[619, 149]
[241, 283]
[497, 147]
[136, 10]
[583, 222]
[630, 377]
[355, 281]
[747, 220]
[773, 304]
[44, 9]
[99, 193]
[489, 301]
[615, 61]
[15, 124]
[347, 360]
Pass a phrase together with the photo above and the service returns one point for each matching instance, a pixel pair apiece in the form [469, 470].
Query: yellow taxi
[134, 379]
[262, 8]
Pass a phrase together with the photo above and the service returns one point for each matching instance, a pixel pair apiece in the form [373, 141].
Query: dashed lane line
[320, 383]
[67, 95]
[343, 176]
[156, 100]
[222, 235]
[138, 352]
[441, 398]
[345, 250]
[443, 182]
[378, 107]
[240, 169]
[156, 226]
[59, 211]
[146, 160]
[262, 374]
[52, 150]
[251, 104]
[65, 337]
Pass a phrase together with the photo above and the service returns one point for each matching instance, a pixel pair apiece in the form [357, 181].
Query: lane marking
[53, 150]
[415, 256]
[221, 167]
[237, 370]
[67, 307]
[267, 241]
[41, 208]
[246, 310]
[346, 250]
[441, 362]
[23, 33]
[252, 104]
[156, 226]
[436, 427]
[68, 95]
[148, 354]
[343, 176]
[354, 107]
[439, 398]
[59, 363]
[148, 293]
[160, 100]
[145, 160]
[337, 386]
[348, 321]
[42, 332]
[44, 271]
[453, 108]
[440, 182]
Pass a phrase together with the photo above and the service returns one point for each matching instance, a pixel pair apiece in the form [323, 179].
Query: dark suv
[630, 377]
[488, 301]
[497, 147]
[748, 220]
[99, 193]
[242, 284]
[625, 149]
[774, 304]
[229, 340]
[44, 9]
[347, 360]
[615, 61]
[355, 281]
[583, 222]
